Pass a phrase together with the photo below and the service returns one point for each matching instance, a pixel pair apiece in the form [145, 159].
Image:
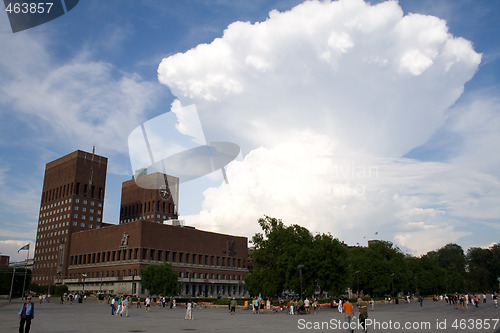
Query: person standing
[233, 306]
[420, 300]
[189, 311]
[113, 301]
[26, 314]
[148, 303]
[307, 305]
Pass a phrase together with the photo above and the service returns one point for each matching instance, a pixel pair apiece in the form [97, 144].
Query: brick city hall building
[74, 247]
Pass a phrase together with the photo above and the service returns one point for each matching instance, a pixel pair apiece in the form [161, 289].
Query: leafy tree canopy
[160, 279]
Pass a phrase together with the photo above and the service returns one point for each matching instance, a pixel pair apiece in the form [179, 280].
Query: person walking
[26, 314]
[348, 310]
[363, 313]
[120, 307]
[125, 306]
[148, 303]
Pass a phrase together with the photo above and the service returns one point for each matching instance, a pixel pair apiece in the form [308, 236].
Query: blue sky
[353, 118]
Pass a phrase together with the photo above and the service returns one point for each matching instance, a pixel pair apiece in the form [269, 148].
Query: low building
[109, 260]
[4, 261]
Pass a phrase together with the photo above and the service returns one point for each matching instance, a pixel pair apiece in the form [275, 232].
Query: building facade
[74, 247]
[72, 201]
[109, 260]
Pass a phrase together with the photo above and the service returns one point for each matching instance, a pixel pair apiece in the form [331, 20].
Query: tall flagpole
[26, 270]
[12, 284]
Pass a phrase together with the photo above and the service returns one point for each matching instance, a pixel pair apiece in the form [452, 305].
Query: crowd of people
[293, 307]
[465, 300]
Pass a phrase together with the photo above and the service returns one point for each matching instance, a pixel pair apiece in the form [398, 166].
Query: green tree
[160, 279]
[19, 278]
[381, 269]
[278, 253]
[483, 268]
[451, 258]
[284, 254]
[328, 264]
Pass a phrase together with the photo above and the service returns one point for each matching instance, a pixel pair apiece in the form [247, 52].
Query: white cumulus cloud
[325, 100]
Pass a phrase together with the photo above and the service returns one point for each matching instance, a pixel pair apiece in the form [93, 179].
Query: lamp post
[190, 287]
[392, 285]
[83, 282]
[357, 284]
[12, 284]
[300, 278]
[416, 288]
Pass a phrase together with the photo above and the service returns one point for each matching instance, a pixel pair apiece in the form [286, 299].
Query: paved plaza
[96, 317]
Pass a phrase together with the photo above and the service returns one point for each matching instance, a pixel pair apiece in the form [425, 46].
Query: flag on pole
[25, 247]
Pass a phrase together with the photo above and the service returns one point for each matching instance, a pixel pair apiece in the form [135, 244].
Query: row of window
[72, 189]
[40, 244]
[150, 206]
[129, 272]
[156, 255]
[147, 217]
[84, 217]
[53, 226]
[52, 234]
[45, 265]
[62, 202]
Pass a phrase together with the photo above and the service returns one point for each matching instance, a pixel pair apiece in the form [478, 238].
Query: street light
[416, 288]
[190, 288]
[357, 284]
[300, 278]
[392, 285]
[83, 282]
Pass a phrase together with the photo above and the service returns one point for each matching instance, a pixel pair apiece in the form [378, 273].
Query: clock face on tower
[164, 192]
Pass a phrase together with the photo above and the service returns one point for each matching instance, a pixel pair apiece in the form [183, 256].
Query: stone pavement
[95, 317]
